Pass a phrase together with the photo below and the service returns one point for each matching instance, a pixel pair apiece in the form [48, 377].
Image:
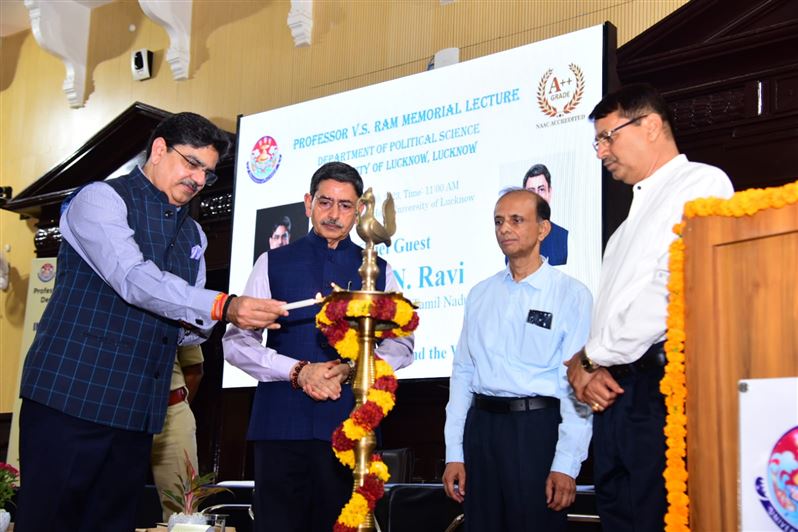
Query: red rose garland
[332, 320]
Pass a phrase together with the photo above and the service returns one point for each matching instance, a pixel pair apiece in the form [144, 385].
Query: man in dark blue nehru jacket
[299, 484]
[555, 247]
[95, 382]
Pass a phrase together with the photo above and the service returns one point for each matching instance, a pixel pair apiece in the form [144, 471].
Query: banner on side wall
[40, 289]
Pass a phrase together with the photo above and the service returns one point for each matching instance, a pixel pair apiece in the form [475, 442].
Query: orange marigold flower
[380, 470]
[349, 347]
[384, 399]
[354, 513]
[354, 431]
[346, 457]
[382, 369]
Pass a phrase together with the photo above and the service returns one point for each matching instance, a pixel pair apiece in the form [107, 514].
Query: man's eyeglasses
[194, 164]
[605, 138]
[326, 204]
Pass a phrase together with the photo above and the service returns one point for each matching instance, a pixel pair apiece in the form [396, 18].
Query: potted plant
[191, 491]
[8, 482]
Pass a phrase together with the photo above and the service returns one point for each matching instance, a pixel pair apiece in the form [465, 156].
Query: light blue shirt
[500, 354]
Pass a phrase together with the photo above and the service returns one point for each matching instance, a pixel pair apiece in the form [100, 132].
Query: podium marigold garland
[673, 384]
[332, 320]
[673, 387]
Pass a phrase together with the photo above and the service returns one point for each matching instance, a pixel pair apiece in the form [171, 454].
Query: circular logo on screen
[559, 93]
[778, 490]
[264, 160]
[46, 272]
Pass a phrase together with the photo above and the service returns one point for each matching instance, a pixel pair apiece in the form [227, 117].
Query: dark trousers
[300, 486]
[78, 476]
[629, 456]
[508, 457]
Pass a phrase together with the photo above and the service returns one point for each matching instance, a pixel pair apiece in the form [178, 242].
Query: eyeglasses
[326, 204]
[195, 164]
[606, 138]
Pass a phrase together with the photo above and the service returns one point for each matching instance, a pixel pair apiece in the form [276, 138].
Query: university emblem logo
[264, 160]
[46, 272]
[778, 489]
[559, 93]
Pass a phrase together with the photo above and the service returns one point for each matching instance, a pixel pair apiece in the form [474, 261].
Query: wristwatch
[349, 378]
[587, 364]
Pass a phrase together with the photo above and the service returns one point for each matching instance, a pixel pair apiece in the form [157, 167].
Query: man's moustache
[330, 221]
[190, 183]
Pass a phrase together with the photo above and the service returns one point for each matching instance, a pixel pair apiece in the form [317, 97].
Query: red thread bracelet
[218, 304]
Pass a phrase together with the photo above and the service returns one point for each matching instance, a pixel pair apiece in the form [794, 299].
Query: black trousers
[300, 486]
[629, 456]
[78, 476]
[508, 457]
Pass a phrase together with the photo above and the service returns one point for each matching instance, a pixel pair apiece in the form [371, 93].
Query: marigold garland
[332, 320]
[674, 383]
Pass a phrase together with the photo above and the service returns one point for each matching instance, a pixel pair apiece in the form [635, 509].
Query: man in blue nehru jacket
[299, 484]
[95, 382]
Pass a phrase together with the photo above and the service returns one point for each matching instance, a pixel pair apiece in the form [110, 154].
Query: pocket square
[196, 252]
[540, 318]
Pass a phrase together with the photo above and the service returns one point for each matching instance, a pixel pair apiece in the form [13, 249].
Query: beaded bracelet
[226, 306]
[295, 373]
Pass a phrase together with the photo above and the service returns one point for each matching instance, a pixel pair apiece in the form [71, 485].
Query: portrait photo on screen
[573, 245]
[279, 226]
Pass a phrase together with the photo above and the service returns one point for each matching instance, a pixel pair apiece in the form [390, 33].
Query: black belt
[504, 405]
[652, 359]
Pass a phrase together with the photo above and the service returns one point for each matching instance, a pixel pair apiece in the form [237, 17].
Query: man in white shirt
[619, 369]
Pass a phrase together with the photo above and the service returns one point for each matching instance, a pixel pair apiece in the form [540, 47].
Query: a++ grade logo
[778, 490]
[264, 160]
[559, 94]
[46, 272]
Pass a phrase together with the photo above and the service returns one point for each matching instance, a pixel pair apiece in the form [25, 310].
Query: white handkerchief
[196, 252]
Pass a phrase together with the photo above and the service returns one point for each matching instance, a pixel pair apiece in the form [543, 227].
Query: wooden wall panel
[729, 71]
[758, 296]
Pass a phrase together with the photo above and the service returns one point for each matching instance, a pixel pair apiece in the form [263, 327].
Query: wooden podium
[741, 321]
